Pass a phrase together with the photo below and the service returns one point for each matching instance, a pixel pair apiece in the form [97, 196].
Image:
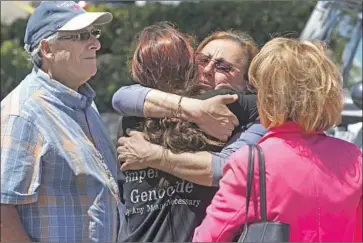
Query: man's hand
[212, 115]
[136, 153]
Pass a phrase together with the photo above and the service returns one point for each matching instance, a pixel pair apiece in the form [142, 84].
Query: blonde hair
[243, 39]
[296, 81]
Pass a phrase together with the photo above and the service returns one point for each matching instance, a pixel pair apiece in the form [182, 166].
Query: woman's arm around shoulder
[129, 100]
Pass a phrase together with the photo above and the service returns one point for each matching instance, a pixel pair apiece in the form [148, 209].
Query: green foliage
[15, 31]
[14, 66]
[261, 19]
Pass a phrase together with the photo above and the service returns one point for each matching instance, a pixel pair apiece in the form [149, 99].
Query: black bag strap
[250, 170]
[262, 175]
[262, 182]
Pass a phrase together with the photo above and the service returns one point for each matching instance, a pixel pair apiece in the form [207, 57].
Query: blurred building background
[12, 10]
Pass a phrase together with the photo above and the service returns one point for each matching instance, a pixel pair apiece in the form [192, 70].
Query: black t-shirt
[162, 207]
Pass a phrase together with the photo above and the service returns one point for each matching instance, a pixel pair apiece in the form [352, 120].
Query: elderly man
[58, 167]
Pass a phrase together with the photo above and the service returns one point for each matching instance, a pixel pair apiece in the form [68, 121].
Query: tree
[261, 19]
[14, 66]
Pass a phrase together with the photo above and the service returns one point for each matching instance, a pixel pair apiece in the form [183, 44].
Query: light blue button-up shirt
[58, 166]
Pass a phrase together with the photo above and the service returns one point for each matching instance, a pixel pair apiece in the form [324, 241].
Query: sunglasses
[82, 36]
[221, 65]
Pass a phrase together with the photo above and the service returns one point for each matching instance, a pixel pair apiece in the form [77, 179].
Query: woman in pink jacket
[314, 182]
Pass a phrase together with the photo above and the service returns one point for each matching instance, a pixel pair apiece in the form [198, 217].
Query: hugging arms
[211, 115]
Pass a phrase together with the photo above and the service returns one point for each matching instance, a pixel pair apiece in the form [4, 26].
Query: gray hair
[34, 55]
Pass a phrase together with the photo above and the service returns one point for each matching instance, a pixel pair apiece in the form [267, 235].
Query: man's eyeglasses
[82, 36]
[221, 65]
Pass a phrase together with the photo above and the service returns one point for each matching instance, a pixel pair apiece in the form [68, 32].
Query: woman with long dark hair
[160, 206]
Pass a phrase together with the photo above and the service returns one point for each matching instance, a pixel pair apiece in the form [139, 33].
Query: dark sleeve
[244, 108]
[129, 122]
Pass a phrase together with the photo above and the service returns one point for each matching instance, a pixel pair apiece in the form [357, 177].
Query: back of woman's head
[164, 59]
[249, 46]
[296, 81]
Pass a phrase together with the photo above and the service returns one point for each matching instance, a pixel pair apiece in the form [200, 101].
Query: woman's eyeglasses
[221, 65]
[82, 36]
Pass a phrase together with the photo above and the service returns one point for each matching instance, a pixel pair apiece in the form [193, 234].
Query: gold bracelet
[178, 109]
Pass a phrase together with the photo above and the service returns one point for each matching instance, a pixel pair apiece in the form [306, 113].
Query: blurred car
[339, 24]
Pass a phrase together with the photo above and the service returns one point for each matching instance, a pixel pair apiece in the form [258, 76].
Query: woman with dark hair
[160, 206]
[223, 59]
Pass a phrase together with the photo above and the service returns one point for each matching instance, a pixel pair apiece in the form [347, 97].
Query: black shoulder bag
[263, 231]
